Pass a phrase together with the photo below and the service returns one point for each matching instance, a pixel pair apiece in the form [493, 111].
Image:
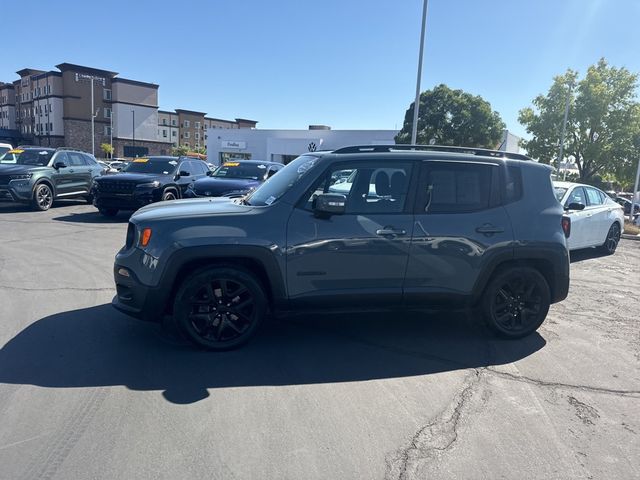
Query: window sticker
[139, 160]
[17, 150]
[44, 152]
[262, 166]
[173, 162]
[270, 200]
[231, 164]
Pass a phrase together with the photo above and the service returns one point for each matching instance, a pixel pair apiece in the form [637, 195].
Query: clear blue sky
[345, 63]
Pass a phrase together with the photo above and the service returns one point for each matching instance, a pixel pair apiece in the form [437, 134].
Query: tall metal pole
[564, 129]
[416, 105]
[133, 112]
[635, 192]
[111, 132]
[93, 132]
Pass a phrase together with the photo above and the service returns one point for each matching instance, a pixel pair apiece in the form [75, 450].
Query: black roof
[431, 148]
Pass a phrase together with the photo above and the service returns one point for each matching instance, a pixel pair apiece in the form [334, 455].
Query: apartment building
[189, 128]
[55, 108]
[7, 109]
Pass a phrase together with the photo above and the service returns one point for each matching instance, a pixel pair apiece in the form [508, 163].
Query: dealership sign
[234, 144]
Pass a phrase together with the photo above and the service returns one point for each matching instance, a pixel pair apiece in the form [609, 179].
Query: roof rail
[70, 149]
[431, 148]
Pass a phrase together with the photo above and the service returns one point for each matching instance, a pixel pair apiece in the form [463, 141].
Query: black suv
[358, 228]
[146, 180]
[40, 175]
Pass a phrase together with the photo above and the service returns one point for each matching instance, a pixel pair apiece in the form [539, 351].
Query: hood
[135, 177]
[14, 169]
[189, 208]
[219, 185]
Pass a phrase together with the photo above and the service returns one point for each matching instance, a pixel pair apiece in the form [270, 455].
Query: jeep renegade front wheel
[219, 308]
[516, 302]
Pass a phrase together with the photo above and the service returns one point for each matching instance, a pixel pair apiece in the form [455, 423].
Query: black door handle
[390, 232]
[489, 229]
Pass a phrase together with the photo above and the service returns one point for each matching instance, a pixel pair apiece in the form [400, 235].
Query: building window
[187, 124]
[187, 134]
[173, 122]
[107, 130]
[106, 94]
[51, 127]
[197, 125]
[107, 113]
[164, 133]
[164, 121]
[173, 133]
[48, 89]
[197, 136]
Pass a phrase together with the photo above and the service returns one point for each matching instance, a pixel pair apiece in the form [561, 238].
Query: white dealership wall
[270, 145]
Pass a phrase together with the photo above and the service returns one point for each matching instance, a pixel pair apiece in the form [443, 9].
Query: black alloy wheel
[168, 195]
[42, 197]
[516, 302]
[219, 308]
[611, 242]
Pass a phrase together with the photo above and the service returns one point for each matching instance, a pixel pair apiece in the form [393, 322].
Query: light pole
[564, 128]
[94, 114]
[133, 126]
[416, 105]
[111, 136]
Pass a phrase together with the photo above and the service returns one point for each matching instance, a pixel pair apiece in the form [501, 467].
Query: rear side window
[449, 187]
[513, 184]
[76, 159]
[594, 196]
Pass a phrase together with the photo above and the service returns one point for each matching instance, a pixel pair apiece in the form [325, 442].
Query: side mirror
[330, 204]
[271, 173]
[209, 173]
[59, 165]
[184, 173]
[574, 206]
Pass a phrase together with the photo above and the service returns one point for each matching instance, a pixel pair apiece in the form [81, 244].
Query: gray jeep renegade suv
[357, 228]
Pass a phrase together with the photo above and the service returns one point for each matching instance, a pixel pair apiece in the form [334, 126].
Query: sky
[350, 64]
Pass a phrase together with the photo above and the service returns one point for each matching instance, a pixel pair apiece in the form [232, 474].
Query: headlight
[22, 176]
[154, 184]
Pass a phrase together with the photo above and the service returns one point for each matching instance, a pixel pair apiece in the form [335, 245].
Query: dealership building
[285, 145]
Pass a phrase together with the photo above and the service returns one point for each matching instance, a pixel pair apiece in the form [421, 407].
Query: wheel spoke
[504, 294]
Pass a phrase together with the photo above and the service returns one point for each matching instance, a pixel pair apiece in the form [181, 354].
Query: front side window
[369, 188]
[449, 187]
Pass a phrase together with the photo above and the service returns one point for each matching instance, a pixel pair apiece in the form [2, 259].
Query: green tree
[453, 117]
[179, 151]
[107, 149]
[603, 124]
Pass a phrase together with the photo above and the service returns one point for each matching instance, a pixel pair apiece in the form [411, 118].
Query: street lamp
[91, 79]
[133, 127]
[416, 105]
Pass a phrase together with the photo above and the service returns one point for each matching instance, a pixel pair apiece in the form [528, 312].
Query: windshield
[4, 150]
[559, 191]
[151, 165]
[27, 157]
[276, 186]
[253, 171]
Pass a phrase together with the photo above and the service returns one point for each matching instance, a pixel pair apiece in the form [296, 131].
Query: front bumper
[16, 191]
[122, 201]
[136, 299]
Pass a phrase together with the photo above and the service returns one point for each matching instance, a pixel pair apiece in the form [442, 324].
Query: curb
[628, 236]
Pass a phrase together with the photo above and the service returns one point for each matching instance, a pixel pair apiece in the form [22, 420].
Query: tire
[611, 242]
[108, 212]
[168, 195]
[42, 197]
[219, 308]
[516, 302]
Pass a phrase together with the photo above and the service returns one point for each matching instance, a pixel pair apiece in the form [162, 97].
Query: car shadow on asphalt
[586, 254]
[13, 207]
[94, 217]
[97, 346]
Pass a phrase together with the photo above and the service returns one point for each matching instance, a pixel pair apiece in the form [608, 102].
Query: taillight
[566, 226]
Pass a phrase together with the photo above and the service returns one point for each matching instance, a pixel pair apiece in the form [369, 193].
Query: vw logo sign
[312, 147]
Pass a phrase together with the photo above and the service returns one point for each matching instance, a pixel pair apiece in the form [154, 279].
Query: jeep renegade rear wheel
[219, 308]
[516, 302]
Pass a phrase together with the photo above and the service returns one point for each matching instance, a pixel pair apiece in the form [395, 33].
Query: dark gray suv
[358, 228]
[41, 175]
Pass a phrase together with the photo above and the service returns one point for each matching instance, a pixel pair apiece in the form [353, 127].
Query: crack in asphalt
[55, 289]
[570, 386]
[438, 435]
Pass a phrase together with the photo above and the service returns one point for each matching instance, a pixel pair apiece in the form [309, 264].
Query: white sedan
[596, 220]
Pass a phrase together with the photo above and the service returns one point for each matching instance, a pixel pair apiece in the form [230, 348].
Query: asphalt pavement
[86, 392]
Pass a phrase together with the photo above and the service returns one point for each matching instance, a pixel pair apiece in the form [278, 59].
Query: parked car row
[42, 175]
